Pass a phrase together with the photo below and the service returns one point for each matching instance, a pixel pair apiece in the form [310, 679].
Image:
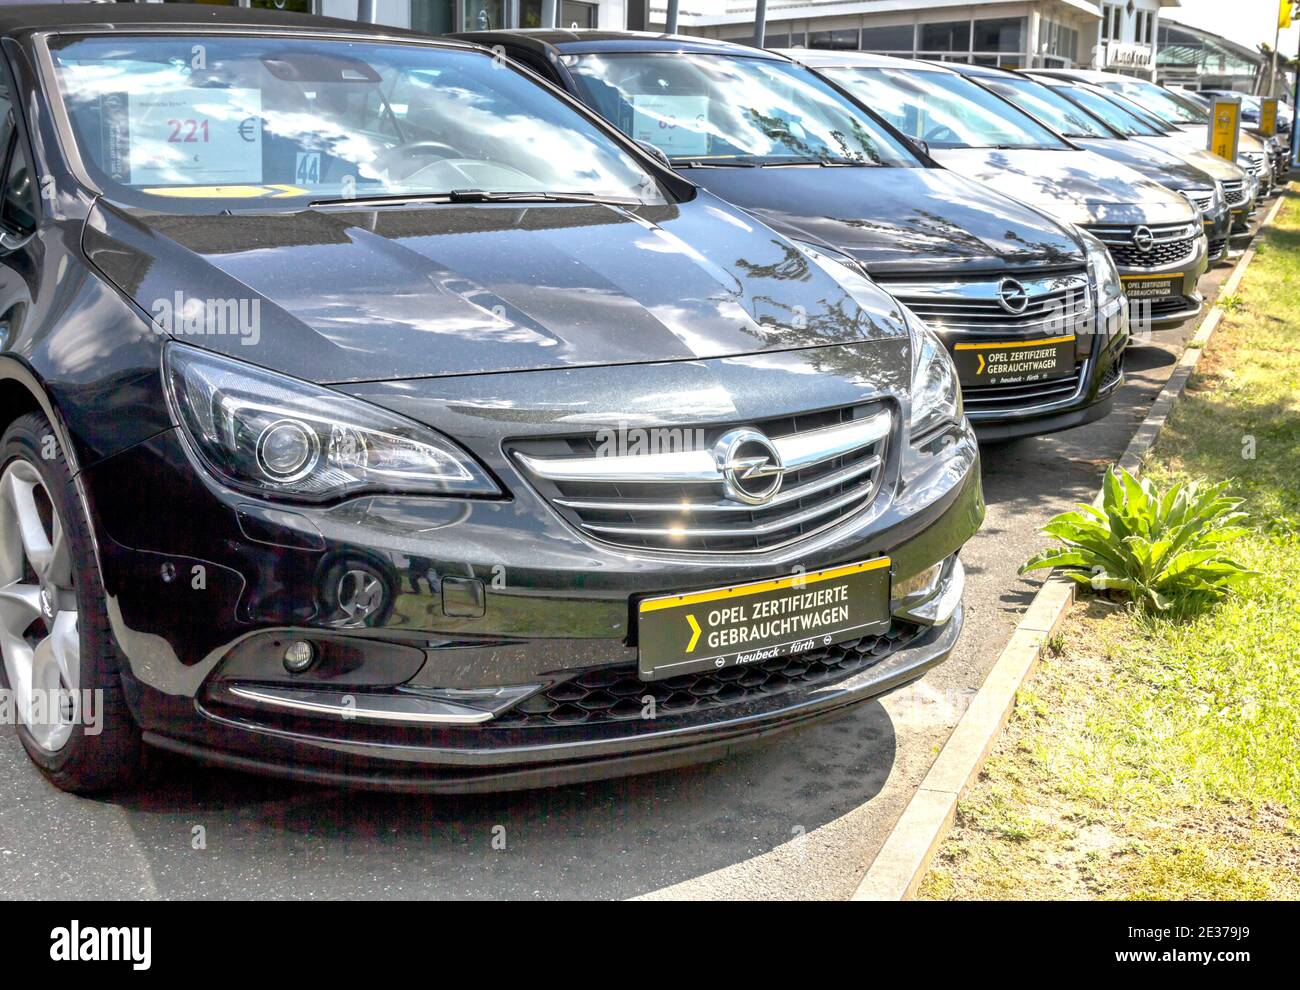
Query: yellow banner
[1268, 116]
[1284, 13]
[1224, 123]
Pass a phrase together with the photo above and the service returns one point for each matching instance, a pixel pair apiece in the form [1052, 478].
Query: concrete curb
[905, 857]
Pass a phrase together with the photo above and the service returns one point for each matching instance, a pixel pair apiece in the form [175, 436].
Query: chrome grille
[988, 400]
[1235, 192]
[678, 499]
[1056, 304]
[1170, 243]
[1204, 199]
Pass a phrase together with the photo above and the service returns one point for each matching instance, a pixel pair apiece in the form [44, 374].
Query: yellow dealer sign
[1225, 125]
[1268, 116]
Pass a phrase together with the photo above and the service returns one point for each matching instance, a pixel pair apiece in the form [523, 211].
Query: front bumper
[1183, 303]
[491, 602]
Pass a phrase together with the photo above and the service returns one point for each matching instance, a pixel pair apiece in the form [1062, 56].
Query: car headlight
[1106, 284]
[936, 395]
[273, 435]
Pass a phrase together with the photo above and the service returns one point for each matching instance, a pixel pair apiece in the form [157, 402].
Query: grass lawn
[1153, 757]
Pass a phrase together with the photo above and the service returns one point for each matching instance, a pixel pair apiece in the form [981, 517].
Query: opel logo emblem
[751, 468]
[1013, 296]
[1143, 239]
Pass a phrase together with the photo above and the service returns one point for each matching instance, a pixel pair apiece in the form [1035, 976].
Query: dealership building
[1030, 33]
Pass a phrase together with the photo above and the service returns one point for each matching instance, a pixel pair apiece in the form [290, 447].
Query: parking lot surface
[800, 817]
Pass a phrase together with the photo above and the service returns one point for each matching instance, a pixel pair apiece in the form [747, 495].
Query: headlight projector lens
[287, 450]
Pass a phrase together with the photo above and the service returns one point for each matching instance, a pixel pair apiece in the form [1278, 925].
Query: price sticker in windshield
[195, 136]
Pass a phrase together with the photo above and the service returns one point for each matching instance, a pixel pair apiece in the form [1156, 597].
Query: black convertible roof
[562, 42]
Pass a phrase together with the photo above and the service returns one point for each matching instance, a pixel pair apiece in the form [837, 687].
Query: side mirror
[921, 145]
[655, 152]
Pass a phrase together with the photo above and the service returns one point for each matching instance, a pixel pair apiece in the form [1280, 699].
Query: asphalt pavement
[800, 817]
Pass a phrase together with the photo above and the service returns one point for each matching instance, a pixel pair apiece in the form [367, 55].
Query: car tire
[37, 489]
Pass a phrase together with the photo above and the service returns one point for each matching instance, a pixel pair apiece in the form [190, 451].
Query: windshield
[1112, 113]
[943, 109]
[1124, 103]
[1158, 101]
[729, 109]
[1048, 106]
[210, 122]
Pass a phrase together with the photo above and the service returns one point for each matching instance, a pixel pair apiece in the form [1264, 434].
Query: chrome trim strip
[958, 292]
[699, 467]
[785, 496]
[1005, 403]
[396, 709]
[774, 526]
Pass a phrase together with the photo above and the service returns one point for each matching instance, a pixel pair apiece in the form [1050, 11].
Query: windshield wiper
[476, 196]
[488, 196]
[712, 163]
[825, 162]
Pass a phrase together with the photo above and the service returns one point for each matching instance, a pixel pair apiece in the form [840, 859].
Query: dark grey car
[373, 414]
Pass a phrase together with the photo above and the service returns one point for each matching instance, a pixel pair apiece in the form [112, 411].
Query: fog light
[922, 583]
[299, 656]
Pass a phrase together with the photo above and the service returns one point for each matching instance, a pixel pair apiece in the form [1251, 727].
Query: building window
[1003, 34]
[433, 16]
[483, 15]
[947, 36]
[1112, 21]
[1146, 20]
[838, 40]
[571, 14]
[899, 38]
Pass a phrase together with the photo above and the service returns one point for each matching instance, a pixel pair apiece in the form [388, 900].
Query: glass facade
[433, 16]
[897, 38]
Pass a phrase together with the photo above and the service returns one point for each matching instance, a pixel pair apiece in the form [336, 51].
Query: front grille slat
[1171, 243]
[1056, 304]
[833, 466]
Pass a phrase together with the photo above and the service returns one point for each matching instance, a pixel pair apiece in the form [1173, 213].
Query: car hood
[1158, 166]
[1074, 186]
[898, 219]
[1208, 162]
[441, 289]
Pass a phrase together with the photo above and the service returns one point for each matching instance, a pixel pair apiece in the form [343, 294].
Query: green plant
[1231, 303]
[1157, 548]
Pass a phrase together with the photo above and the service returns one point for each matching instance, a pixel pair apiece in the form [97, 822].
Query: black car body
[406, 527]
[942, 244]
[1078, 125]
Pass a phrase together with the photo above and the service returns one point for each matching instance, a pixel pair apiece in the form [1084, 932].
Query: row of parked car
[1114, 164]
[454, 414]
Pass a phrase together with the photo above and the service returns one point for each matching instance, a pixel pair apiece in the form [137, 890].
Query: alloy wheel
[38, 612]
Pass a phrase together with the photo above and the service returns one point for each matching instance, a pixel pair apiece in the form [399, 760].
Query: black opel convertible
[373, 414]
[1032, 309]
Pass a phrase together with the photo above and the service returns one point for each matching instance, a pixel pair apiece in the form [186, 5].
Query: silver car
[1240, 188]
[1183, 116]
[1154, 234]
[1079, 126]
